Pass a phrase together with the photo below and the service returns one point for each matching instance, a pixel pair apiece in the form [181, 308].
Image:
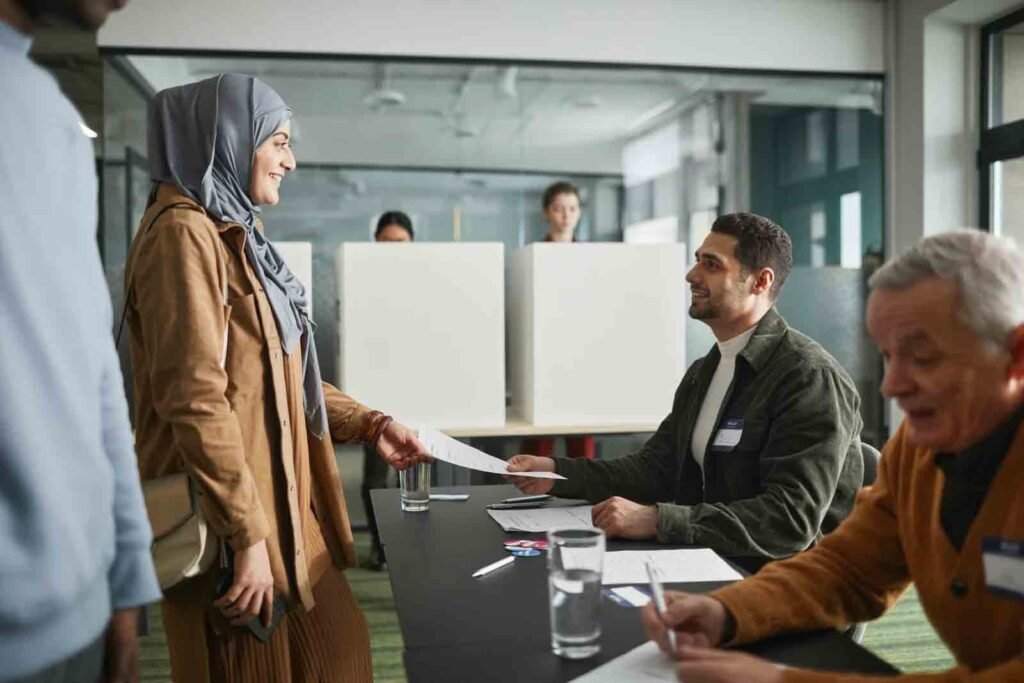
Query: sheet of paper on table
[539, 520]
[444, 447]
[682, 565]
[645, 664]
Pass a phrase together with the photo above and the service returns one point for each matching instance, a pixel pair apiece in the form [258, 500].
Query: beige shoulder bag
[183, 543]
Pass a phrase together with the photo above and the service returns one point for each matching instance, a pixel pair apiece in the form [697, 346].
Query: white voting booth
[299, 257]
[422, 331]
[596, 332]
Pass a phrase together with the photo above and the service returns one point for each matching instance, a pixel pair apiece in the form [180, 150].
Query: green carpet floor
[902, 637]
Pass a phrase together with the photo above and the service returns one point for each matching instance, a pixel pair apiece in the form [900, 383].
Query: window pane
[847, 138]
[1008, 199]
[1008, 76]
[850, 230]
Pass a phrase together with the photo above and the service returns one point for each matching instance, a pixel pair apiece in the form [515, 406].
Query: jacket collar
[770, 331]
[167, 194]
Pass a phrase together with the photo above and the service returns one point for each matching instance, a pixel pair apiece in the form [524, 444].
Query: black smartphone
[255, 626]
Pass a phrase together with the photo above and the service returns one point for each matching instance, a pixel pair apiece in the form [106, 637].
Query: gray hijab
[202, 138]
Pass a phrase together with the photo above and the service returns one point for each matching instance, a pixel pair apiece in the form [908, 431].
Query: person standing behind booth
[946, 511]
[74, 538]
[392, 226]
[561, 208]
[760, 455]
[228, 390]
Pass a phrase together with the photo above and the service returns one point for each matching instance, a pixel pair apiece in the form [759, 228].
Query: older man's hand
[621, 518]
[530, 463]
[707, 665]
[696, 619]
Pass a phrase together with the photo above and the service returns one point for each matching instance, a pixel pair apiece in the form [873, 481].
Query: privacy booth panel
[422, 331]
[596, 332]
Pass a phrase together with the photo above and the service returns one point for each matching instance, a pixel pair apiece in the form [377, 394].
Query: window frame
[996, 143]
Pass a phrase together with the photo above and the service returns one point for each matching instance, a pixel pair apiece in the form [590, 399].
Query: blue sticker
[1003, 560]
[524, 552]
[628, 596]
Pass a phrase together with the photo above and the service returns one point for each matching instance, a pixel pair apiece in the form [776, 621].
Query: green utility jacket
[791, 477]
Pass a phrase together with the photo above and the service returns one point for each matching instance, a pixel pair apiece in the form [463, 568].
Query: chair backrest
[871, 458]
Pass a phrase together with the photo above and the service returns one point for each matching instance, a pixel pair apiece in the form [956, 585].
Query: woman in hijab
[227, 388]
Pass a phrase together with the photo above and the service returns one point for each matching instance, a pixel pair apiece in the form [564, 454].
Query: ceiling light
[507, 82]
[384, 98]
[87, 131]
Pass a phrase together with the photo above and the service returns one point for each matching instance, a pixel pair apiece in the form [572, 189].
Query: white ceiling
[462, 116]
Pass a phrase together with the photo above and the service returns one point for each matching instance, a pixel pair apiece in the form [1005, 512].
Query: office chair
[871, 457]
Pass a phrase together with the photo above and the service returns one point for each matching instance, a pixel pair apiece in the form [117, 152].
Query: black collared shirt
[969, 475]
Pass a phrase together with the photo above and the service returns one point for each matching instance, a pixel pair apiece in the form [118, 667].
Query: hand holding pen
[658, 595]
[693, 619]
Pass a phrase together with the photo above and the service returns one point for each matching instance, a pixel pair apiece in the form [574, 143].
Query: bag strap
[129, 279]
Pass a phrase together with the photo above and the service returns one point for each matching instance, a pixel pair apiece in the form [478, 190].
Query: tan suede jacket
[240, 429]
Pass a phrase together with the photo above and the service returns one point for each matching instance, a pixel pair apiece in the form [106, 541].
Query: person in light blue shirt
[74, 537]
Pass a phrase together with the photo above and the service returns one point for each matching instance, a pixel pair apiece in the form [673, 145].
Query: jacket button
[958, 588]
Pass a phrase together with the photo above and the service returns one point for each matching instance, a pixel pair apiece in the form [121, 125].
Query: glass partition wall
[467, 149]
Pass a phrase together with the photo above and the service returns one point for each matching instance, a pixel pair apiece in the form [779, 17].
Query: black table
[495, 628]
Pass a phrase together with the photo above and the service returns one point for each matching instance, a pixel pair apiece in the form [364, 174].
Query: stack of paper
[684, 565]
[645, 664]
[541, 520]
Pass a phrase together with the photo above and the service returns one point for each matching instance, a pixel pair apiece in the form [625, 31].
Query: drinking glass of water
[575, 560]
[415, 484]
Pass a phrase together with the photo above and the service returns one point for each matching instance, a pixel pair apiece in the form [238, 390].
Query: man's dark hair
[394, 218]
[761, 243]
[555, 189]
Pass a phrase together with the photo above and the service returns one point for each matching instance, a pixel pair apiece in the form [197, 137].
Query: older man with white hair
[946, 511]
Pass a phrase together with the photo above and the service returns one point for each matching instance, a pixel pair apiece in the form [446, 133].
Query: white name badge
[1004, 567]
[729, 434]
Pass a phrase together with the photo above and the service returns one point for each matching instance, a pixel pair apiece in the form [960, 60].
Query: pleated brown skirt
[330, 644]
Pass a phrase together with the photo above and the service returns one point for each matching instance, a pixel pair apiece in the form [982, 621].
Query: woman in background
[561, 208]
[228, 389]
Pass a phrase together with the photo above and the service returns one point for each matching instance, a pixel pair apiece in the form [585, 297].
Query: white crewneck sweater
[716, 393]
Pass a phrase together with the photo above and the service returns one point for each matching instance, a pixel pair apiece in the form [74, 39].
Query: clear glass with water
[575, 561]
[415, 484]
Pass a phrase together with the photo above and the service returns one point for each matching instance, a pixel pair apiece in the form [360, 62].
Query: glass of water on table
[575, 561]
[415, 484]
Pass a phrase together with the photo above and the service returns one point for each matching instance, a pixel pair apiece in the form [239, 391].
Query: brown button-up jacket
[233, 418]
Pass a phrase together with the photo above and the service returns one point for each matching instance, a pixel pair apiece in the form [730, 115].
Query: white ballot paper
[539, 520]
[685, 565]
[444, 447]
[645, 664]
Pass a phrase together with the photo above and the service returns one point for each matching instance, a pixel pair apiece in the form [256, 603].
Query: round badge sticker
[539, 545]
[524, 552]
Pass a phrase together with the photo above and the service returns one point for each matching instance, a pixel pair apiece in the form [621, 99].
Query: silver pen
[659, 600]
[527, 499]
[494, 565]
